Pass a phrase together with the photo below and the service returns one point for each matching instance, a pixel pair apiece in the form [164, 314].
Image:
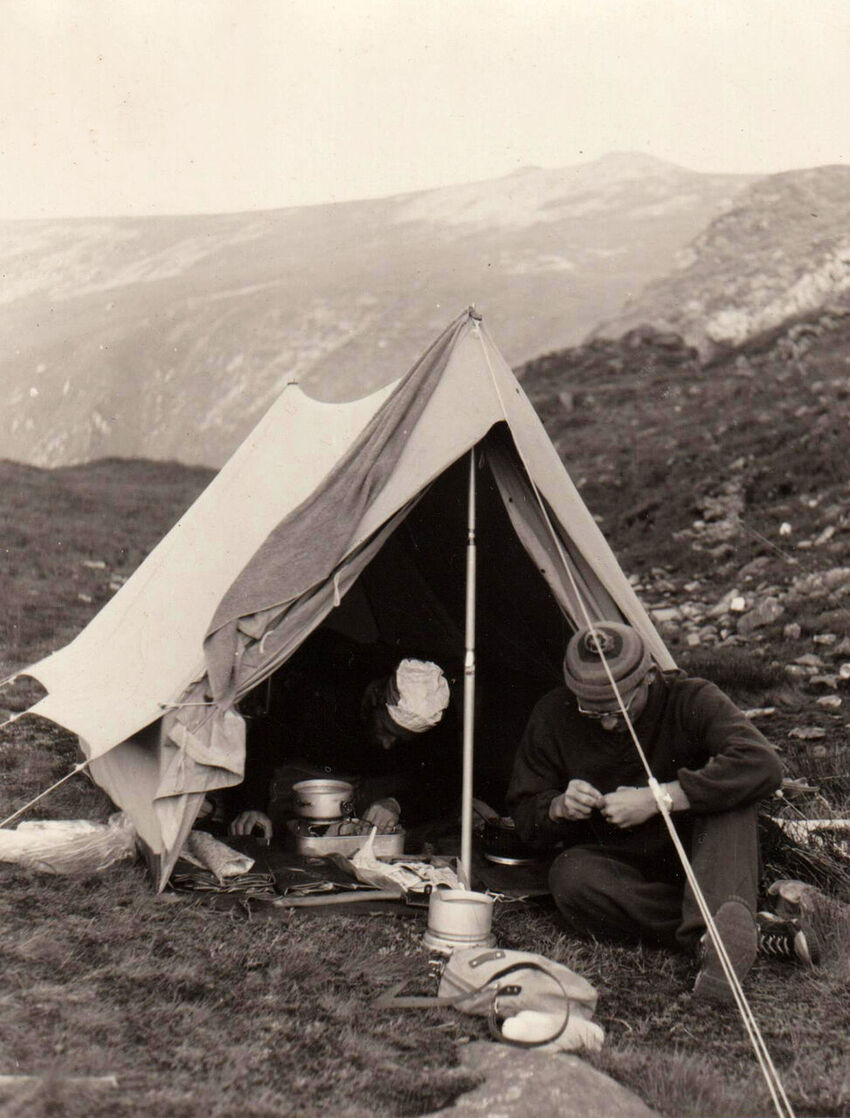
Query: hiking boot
[736, 927]
[794, 940]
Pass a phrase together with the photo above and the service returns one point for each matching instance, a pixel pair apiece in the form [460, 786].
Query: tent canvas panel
[146, 644]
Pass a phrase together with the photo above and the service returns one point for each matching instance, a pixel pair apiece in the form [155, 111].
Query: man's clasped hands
[627, 807]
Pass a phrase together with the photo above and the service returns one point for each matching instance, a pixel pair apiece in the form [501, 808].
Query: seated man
[578, 780]
[390, 737]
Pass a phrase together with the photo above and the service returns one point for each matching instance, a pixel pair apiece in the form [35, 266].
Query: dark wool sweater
[690, 732]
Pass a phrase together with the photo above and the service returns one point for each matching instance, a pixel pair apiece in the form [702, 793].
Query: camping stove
[317, 828]
[342, 836]
[326, 823]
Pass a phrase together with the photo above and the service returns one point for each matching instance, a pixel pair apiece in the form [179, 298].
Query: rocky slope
[783, 250]
[168, 337]
[725, 492]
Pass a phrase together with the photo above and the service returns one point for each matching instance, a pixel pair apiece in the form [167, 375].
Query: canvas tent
[309, 523]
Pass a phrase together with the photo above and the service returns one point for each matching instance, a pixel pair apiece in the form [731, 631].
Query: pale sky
[195, 106]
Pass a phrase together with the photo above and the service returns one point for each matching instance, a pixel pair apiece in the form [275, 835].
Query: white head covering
[423, 695]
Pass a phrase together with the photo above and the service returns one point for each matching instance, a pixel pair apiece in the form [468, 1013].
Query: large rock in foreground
[520, 1082]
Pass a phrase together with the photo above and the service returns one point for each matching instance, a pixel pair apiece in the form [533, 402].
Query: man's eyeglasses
[598, 715]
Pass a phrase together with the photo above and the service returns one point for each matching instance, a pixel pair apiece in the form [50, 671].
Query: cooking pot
[500, 842]
[459, 918]
[323, 799]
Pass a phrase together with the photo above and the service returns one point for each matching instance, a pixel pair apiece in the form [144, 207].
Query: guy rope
[768, 1069]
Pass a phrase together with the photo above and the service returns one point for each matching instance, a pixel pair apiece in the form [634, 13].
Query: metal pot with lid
[323, 799]
[501, 843]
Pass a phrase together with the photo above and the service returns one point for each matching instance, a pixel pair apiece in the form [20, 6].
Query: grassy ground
[204, 1012]
[198, 1010]
[201, 1011]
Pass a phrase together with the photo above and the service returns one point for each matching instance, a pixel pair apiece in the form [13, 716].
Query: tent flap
[308, 545]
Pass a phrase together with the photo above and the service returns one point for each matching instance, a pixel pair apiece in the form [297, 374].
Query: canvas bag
[497, 982]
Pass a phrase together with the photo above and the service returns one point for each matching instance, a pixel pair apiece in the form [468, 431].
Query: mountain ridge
[782, 251]
[168, 337]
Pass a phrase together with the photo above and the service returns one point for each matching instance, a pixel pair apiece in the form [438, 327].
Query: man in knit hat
[578, 782]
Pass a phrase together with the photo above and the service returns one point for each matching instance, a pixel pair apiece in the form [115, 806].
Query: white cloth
[580, 1034]
[423, 695]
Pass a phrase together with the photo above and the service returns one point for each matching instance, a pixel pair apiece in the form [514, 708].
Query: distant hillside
[72, 536]
[168, 337]
[783, 250]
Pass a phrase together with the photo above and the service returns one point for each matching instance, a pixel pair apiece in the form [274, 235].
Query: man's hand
[577, 802]
[628, 807]
[245, 823]
[383, 814]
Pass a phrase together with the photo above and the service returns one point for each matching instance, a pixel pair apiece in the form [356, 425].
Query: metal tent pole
[468, 687]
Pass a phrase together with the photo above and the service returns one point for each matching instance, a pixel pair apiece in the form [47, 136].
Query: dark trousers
[615, 894]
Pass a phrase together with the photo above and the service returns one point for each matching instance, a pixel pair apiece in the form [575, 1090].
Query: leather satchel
[499, 983]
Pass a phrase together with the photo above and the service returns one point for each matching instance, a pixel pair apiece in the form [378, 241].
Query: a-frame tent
[317, 496]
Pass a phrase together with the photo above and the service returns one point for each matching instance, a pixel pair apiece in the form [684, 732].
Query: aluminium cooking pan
[323, 799]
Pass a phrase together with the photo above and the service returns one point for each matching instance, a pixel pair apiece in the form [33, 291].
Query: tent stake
[468, 688]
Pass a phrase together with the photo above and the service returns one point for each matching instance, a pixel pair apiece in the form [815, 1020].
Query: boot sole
[736, 927]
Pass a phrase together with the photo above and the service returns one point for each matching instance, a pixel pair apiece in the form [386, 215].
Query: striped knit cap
[625, 654]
